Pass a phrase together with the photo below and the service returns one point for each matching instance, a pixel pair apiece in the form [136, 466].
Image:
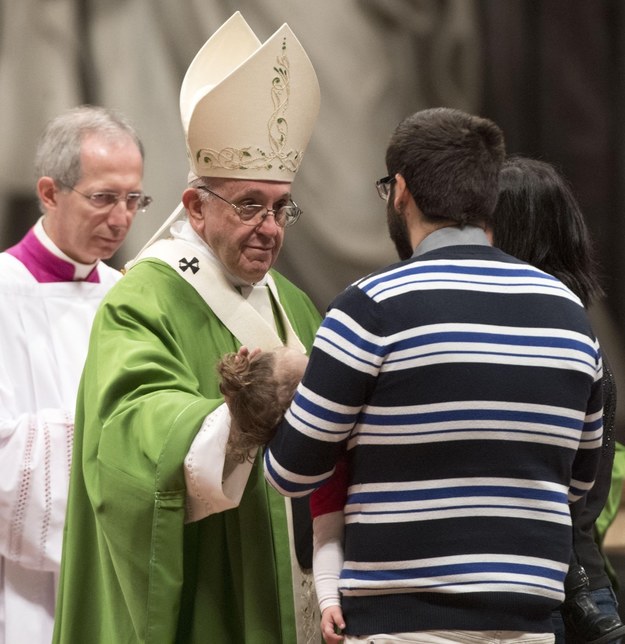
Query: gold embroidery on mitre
[278, 130]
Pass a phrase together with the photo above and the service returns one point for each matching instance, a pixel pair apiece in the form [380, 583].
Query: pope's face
[247, 252]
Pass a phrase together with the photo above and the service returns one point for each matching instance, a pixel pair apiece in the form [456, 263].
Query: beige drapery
[377, 61]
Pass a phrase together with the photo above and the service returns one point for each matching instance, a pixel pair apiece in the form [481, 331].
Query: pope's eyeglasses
[253, 214]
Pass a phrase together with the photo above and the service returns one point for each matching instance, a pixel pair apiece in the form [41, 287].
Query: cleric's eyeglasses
[102, 200]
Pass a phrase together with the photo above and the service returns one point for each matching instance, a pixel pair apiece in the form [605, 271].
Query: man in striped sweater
[465, 388]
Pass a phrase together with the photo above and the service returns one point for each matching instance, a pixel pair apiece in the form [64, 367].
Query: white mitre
[248, 108]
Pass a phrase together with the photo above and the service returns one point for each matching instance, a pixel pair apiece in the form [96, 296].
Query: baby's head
[258, 389]
[288, 366]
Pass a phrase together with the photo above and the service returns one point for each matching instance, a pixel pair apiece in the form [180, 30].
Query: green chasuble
[132, 569]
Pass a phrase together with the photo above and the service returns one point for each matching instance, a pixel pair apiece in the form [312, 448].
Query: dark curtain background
[554, 80]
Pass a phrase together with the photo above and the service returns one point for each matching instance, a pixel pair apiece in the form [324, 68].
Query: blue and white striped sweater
[466, 388]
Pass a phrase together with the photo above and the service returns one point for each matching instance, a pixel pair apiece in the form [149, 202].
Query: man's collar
[452, 236]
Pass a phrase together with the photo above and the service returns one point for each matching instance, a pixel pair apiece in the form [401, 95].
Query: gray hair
[212, 183]
[59, 147]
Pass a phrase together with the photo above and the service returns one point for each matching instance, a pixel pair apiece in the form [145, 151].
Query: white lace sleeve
[211, 487]
[35, 455]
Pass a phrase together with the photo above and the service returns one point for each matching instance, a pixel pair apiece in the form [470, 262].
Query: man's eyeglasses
[253, 214]
[383, 186]
[135, 201]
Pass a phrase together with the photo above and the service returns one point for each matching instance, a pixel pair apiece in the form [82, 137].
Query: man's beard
[398, 231]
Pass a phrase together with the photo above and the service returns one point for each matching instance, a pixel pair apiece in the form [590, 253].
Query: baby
[258, 388]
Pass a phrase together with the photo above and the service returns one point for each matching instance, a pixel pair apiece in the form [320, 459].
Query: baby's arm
[327, 565]
[327, 505]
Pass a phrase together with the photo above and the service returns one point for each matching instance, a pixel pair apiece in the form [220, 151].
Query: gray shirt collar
[452, 236]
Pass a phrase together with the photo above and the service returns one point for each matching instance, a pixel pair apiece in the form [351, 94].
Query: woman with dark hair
[538, 220]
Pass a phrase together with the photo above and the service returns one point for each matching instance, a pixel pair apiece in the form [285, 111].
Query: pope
[166, 539]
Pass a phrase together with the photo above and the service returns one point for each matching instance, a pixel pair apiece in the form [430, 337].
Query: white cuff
[208, 492]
